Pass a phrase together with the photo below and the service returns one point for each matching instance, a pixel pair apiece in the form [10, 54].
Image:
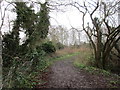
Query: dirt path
[63, 74]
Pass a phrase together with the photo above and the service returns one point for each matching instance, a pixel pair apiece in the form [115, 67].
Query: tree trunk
[104, 61]
[1, 61]
[99, 47]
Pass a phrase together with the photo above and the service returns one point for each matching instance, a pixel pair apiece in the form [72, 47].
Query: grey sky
[72, 17]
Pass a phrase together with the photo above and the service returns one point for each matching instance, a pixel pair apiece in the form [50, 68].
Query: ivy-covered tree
[42, 25]
[23, 59]
[34, 25]
[43, 21]
[27, 19]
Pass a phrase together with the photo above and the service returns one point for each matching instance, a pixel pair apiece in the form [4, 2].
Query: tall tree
[43, 21]
[103, 33]
[26, 20]
[42, 25]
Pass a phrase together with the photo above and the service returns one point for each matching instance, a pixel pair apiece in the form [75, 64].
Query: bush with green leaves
[59, 45]
[10, 48]
[48, 47]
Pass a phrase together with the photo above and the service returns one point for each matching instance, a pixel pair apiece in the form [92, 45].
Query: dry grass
[72, 50]
[84, 57]
[65, 51]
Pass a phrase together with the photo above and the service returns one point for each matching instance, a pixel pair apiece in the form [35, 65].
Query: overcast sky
[72, 17]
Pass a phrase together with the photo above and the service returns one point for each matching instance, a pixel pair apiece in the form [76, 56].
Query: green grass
[113, 83]
[91, 69]
[85, 60]
[97, 71]
[50, 61]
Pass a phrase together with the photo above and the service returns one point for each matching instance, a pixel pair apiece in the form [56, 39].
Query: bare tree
[101, 28]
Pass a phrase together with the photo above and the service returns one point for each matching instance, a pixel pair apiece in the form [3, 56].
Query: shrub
[59, 45]
[48, 47]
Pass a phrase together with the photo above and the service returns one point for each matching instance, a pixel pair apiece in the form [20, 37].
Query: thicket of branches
[103, 34]
[102, 29]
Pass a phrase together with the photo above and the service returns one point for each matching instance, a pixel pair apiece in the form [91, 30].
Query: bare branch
[4, 15]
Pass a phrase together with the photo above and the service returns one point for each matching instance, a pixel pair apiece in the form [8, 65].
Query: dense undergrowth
[23, 72]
